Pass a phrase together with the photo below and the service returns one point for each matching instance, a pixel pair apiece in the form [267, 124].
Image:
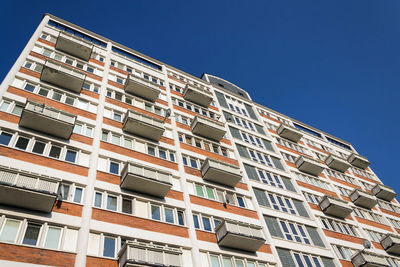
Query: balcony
[144, 179]
[239, 235]
[309, 165]
[367, 259]
[335, 207]
[384, 192]
[391, 243]
[42, 118]
[208, 128]
[142, 88]
[358, 161]
[62, 76]
[143, 125]
[197, 95]
[27, 190]
[136, 254]
[220, 172]
[337, 163]
[74, 46]
[289, 133]
[363, 199]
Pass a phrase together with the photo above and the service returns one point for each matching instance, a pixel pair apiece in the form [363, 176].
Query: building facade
[111, 158]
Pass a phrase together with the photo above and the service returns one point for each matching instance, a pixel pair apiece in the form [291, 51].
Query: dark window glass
[114, 167]
[206, 224]
[22, 143]
[29, 87]
[127, 206]
[109, 247]
[55, 152]
[38, 147]
[196, 221]
[78, 195]
[155, 213]
[180, 218]
[70, 156]
[31, 234]
[5, 138]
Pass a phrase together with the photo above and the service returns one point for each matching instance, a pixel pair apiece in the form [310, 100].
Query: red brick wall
[100, 262]
[68, 208]
[340, 236]
[375, 224]
[316, 188]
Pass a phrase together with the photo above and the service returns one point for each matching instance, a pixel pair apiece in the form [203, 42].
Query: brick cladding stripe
[68, 208]
[291, 150]
[344, 237]
[390, 212]
[375, 224]
[345, 263]
[377, 245]
[367, 179]
[316, 188]
[46, 42]
[39, 160]
[52, 103]
[138, 155]
[209, 154]
[140, 223]
[223, 207]
[100, 262]
[211, 237]
[30, 72]
[36, 255]
[9, 117]
[270, 118]
[81, 139]
[95, 61]
[90, 93]
[344, 182]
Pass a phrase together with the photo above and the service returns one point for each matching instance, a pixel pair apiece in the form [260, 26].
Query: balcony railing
[136, 254]
[220, 172]
[289, 133]
[62, 76]
[197, 95]
[358, 161]
[74, 46]
[336, 163]
[239, 235]
[208, 128]
[27, 190]
[391, 243]
[144, 179]
[309, 165]
[368, 259]
[47, 119]
[143, 125]
[384, 192]
[363, 199]
[142, 88]
[335, 207]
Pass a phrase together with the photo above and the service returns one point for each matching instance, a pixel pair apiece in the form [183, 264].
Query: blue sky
[331, 64]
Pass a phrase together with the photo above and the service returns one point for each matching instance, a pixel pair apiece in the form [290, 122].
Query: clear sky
[331, 64]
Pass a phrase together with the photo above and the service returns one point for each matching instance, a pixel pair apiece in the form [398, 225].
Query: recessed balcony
[309, 165]
[45, 119]
[220, 172]
[335, 207]
[27, 190]
[137, 254]
[358, 161]
[197, 95]
[142, 88]
[289, 133]
[62, 76]
[384, 192]
[74, 46]
[208, 128]
[139, 124]
[363, 199]
[391, 243]
[144, 179]
[368, 259]
[337, 163]
[239, 235]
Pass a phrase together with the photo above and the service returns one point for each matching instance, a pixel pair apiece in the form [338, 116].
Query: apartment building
[111, 158]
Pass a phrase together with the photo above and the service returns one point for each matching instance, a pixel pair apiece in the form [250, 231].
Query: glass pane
[196, 221]
[127, 206]
[22, 143]
[64, 191]
[55, 152]
[4, 106]
[298, 260]
[38, 147]
[114, 167]
[227, 262]
[98, 199]
[70, 156]
[210, 193]
[169, 215]
[5, 138]
[155, 213]
[180, 218]
[199, 190]
[111, 203]
[206, 223]
[109, 247]
[52, 238]
[214, 261]
[9, 232]
[31, 234]
[78, 195]
[239, 263]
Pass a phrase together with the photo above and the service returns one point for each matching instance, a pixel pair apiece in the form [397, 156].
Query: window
[229, 261]
[22, 143]
[53, 237]
[114, 168]
[31, 234]
[270, 178]
[311, 198]
[70, 156]
[10, 230]
[55, 152]
[313, 181]
[281, 203]
[307, 260]
[205, 222]
[111, 203]
[294, 232]
[38, 147]
[343, 253]
[155, 213]
[5, 138]
[109, 247]
[338, 226]
[98, 199]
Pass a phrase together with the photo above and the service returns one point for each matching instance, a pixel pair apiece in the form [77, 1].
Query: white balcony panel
[391, 243]
[289, 133]
[384, 192]
[220, 172]
[208, 128]
[197, 95]
[62, 76]
[335, 207]
[239, 236]
[363, 199]
[358, 161]
[309, 165]
[42, 118]
[143, 125]
[74, 46]
[337, 163]
[27, 190]
[144, 179]
[367, 259]
[142, 88]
